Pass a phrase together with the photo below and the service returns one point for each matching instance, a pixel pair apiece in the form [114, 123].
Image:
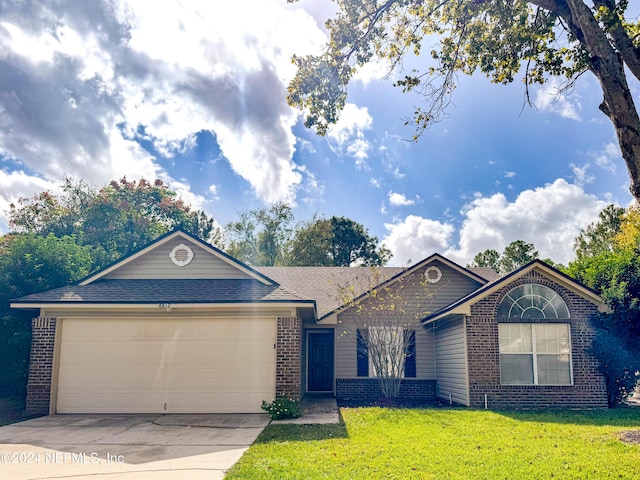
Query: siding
[451, 287]
[451, 361]
[156, 264]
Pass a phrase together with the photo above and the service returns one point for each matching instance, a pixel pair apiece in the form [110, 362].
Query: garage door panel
[156, 328]
[152, 353]
[181, 378]
[209, 353]
[130, 329]
[182, 329]
[211, 379]
[184, 353]
[205, 329]
[186, 365]
[128, 354]
[77, 378]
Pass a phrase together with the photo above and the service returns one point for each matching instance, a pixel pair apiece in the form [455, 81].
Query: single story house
[182, 327]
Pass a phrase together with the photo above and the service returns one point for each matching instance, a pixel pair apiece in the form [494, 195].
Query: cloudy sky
[193, 92]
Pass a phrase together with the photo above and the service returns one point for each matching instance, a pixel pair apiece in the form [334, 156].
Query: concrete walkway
[316, 409]
[141, 447]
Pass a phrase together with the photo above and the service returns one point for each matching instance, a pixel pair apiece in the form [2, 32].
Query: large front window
[533, 352]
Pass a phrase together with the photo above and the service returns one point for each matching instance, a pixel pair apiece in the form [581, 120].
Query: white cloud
[415, 238]
[347, 136]
[213, 190]
[375, 69]
[80, 84]
[400, 199]
[550, 217]
[510, 174]
[551, 98]
[608, 157]
[581, 175]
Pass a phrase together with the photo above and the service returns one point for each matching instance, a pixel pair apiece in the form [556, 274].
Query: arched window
[532, 351]
[533, 301]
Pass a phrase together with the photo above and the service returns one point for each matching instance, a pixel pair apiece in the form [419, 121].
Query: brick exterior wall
[289, 359]
[588, 389]
[40, 365]
[368, 390]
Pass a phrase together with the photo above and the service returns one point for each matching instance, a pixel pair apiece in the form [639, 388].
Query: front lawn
[448, 443]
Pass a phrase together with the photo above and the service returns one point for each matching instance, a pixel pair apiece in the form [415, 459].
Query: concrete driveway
[126, 446]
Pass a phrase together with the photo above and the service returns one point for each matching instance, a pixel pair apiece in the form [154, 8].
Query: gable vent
[181, 255]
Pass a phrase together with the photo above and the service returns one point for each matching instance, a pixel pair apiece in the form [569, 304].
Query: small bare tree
[386, 312]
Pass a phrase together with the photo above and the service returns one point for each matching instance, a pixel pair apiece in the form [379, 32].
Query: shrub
[619, 362]
[282, 407]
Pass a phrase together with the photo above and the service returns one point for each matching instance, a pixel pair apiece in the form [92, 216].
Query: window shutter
[410, 357]
[362, 354]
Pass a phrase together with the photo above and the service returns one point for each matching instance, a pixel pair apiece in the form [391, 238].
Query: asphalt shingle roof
[166, 291]
[321, 283]
[296, 284]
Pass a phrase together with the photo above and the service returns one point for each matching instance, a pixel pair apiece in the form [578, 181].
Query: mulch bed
[631, 436]
[391, 403]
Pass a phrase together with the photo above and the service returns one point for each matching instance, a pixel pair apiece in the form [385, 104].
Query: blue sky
[194, 93]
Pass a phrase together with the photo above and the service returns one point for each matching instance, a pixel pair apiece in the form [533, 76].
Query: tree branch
[629, 52]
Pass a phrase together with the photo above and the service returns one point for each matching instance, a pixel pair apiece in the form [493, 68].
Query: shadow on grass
[622, 416]
[302, 433]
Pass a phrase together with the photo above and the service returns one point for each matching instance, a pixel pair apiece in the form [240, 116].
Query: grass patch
[448, 443]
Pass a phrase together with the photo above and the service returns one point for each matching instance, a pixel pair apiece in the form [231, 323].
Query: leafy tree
[517, 254]
[386, 319]
[352, 244]
[598, 237]
[31, 263]
[514, 256]
[337, 242]
[260, 237]
[311, 244]
[119, 218]
[612, 268]
[503, 39]
[489, 258]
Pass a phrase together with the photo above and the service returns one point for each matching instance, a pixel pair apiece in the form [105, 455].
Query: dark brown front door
[320, 361]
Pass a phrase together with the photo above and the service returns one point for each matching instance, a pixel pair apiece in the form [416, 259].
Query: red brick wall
[588, 389]
[364, 390]
[289, 357]
[41, 365]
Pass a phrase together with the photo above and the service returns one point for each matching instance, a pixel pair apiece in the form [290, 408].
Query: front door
[320, 361]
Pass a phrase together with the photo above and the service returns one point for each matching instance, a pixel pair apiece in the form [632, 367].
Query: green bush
[619, 362]
[282, 407]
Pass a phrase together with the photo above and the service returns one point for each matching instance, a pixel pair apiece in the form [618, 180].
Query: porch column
[43, 332]
[289, 357]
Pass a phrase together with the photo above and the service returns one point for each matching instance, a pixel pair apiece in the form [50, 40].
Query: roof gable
[463, 305]
[155, 262]
[322, 283]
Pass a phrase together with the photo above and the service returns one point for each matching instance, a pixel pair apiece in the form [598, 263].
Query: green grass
[448, 443]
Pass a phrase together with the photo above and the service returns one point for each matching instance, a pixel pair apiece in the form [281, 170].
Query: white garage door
[179, 365]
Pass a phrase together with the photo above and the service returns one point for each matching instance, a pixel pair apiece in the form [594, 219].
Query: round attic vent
[433, 274]
[181, 255]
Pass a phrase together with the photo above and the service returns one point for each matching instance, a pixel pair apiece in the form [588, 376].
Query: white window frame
[534, 353]
[372, 369]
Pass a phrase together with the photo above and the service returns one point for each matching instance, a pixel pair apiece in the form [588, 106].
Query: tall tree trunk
[608, 66]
